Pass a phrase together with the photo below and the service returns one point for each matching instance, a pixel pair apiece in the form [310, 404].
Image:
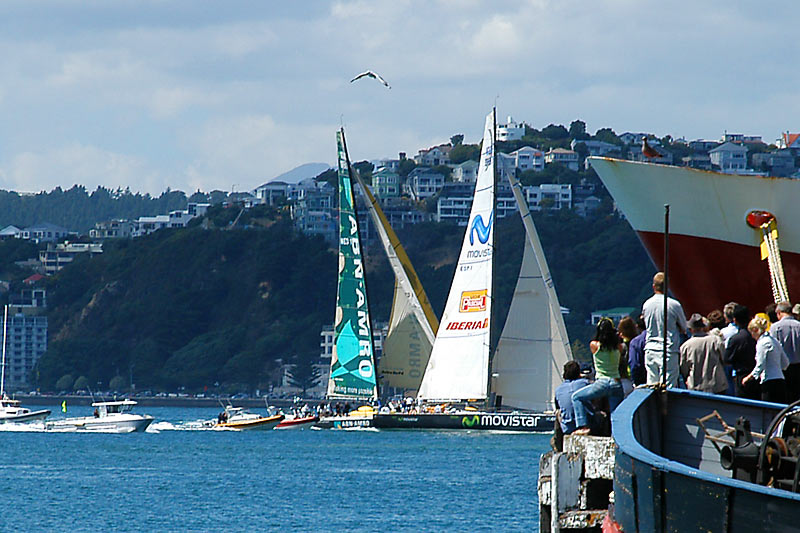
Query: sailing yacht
[10, 410]
[412, 323]
[352, 376]
[526, 367]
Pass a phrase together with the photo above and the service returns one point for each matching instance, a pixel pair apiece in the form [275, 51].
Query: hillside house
[729, 157]
[511, 130]
[438, 155]
[423, 183]
[568, 158]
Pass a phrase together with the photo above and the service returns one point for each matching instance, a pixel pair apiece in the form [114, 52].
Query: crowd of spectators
[728, 351]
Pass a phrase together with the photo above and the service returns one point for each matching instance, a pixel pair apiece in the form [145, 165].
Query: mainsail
[352, 362]
[413, 324]
[459, 362]
[533, 346]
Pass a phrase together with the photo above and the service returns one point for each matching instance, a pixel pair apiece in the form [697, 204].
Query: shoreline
[155, 401]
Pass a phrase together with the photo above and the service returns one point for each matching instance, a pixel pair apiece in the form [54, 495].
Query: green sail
[352, 363]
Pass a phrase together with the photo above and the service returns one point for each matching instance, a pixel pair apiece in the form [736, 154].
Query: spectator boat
[298, 422]
[108, 417]
[238, 418]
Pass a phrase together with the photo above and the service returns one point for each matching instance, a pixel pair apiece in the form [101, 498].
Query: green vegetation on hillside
[197, 307]
[78, 210]
[190, 308]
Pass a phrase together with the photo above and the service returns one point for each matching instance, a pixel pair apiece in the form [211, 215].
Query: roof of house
[30, 280]
[10, 230]
[46, 226]
[790, 138]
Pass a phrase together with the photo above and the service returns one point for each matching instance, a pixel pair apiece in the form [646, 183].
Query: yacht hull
[345, 422]
[476, 421]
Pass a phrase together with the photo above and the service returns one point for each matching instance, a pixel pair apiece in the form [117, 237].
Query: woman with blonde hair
[771, 360]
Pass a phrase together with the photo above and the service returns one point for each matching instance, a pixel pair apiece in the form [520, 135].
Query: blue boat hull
[668, 476]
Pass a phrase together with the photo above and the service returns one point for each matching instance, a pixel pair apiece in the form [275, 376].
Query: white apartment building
[548, 196]
[26, 336]
[57, 256]
[511, 130]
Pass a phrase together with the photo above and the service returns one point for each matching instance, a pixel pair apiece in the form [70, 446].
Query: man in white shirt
[787, 332]
[653, 313]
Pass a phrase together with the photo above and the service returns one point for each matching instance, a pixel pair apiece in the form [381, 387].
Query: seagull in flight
[370, 74]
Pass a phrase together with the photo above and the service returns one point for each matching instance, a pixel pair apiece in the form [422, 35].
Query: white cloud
[497, 36]
[78, 164]
[241, 95]
[246, 151]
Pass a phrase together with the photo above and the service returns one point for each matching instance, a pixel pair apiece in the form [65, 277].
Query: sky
[201, 95]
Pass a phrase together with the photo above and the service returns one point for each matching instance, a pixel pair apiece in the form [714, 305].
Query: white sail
[533, 347]
[412, 325]
[459, 362]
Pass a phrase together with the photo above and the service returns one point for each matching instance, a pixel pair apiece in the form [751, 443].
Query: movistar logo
[469, 421]
[480, 228]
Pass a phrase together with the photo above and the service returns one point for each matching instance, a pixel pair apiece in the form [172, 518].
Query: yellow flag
[64, 406]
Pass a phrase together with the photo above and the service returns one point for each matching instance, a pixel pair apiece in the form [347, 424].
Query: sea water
[178, 477]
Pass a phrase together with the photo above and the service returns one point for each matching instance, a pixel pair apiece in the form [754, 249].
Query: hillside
[197, 307]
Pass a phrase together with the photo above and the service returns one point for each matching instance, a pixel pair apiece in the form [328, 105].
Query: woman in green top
[606, 350]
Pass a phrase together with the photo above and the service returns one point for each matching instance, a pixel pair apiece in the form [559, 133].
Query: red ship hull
[705, 274]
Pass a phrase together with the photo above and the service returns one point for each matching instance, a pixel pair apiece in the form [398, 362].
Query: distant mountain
[296, 175]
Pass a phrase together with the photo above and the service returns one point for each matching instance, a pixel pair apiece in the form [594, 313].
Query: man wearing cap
[787, 332]
[653, 313]
[701, 359]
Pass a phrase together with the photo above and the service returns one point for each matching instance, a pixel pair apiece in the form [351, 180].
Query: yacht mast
[3, 371]
[492, 319]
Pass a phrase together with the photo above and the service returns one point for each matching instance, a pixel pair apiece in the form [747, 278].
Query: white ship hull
[714, 254]
[123, 423]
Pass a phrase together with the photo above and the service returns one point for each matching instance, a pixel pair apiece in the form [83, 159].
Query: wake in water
[29, 427]
[194, 425]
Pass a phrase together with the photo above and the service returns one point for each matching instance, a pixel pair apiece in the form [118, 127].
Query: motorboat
[11, 412]
[108, 417]
[238, 418]
[298, 422]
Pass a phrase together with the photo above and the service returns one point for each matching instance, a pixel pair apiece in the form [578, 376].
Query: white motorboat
[10, 410]
[108, 417]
